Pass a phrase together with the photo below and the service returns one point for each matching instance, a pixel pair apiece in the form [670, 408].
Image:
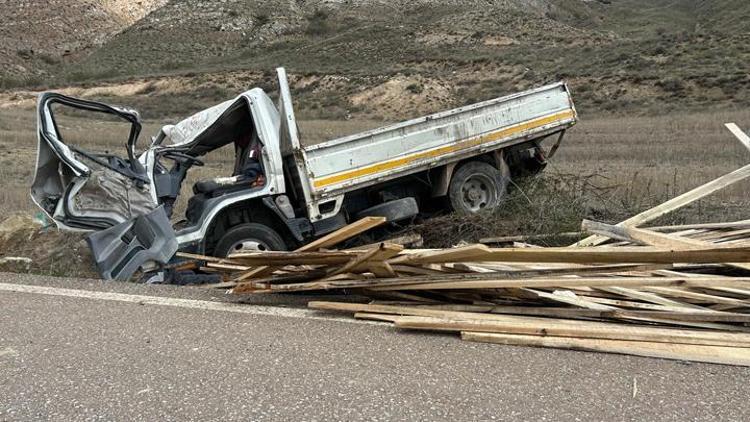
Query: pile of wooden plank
[675, 292]
[678, 292]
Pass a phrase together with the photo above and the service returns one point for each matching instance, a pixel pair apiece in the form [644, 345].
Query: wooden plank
[583, 255]
[438, 283]
[415, 271]
[665, 307]
[739, 134]
[616, 255]
[707, 354]
[643, 237]
[433, 276]
[649, 297]
[358, 260]
[588, 303]
[280, 259]
[739, 292]
[685, 316]
[407, 298]
[462, 254]
[578, 329]
[344, 233]
[226, 267]
[354, 265]
[744, 224]
[420, 311]
[351, 267]
[384, 252]
[571, 299]
[702, 297]
[413, 240]
[639, 305]
[382, 270]
[675, 203]
[206, 258]
[554, 312]
[327, 241]
[652, 238]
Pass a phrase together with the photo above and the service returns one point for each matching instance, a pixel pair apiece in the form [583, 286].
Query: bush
[415, 88]
[544, 204]
[262, 19]
[317, 24]
[671, 85]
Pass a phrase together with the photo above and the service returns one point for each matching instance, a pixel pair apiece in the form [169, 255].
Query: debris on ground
[636, 296]
[675, 292]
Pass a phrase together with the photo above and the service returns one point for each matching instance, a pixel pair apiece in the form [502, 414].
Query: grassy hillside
[377, 58]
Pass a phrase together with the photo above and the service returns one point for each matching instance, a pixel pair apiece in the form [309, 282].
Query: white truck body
[305, 190]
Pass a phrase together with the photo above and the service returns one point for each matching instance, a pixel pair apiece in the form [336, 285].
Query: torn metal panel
[121, 250]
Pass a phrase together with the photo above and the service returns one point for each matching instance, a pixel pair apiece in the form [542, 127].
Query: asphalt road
[134, 352]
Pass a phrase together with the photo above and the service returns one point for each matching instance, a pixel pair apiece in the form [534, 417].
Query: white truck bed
[359, 160]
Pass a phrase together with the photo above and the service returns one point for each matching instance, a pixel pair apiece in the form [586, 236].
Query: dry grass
[608, 167]
[663, 155]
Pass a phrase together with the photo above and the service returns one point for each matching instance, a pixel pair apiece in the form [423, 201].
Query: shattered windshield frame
[133, 170]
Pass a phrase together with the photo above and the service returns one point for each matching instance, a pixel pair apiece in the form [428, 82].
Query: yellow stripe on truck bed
[468, 143]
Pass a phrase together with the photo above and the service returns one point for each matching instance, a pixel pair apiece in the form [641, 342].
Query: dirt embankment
[27, 246]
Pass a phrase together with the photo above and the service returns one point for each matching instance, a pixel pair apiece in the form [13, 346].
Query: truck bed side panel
[352, 162]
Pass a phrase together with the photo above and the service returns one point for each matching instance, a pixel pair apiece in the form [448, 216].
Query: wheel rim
[249, 245]
[478, 193]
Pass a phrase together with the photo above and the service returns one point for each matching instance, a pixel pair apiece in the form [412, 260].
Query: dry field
[629, 163]
[654, 158]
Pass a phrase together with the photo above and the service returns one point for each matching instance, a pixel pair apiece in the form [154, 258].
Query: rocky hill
[379, 57]
[35, 35]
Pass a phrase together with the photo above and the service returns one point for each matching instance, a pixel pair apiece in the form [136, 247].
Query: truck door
[75, 183]
[81, 187]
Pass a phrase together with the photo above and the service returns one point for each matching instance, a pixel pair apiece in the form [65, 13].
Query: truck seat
[218, 185]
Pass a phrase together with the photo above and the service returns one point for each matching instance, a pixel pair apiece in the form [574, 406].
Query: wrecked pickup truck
[281, 193]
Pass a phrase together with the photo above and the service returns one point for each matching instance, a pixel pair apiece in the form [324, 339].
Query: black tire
[396, 210]
[477, 187]
[265, 238]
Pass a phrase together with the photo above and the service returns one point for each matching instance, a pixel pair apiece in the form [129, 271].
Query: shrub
[671, 85]
[415, 88]
[317, 24]
[262, 19]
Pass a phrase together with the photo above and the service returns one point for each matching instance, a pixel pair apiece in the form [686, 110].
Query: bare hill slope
[35, 34]
[377, 57]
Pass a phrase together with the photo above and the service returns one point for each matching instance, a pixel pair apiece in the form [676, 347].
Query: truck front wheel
[249, 237]
[477, 186]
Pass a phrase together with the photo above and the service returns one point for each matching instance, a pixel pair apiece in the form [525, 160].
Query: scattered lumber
[686, 198]
[674, 292]
[707, 354]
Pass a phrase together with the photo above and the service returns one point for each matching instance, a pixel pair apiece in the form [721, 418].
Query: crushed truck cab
[281, 193]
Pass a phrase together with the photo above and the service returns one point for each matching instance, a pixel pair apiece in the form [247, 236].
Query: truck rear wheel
[477, 186]
[249, 237]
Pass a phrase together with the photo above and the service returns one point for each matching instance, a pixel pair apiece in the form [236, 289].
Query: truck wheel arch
[263, 236]
[252, 211]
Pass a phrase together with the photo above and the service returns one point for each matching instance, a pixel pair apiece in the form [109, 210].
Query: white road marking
[182, 303]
